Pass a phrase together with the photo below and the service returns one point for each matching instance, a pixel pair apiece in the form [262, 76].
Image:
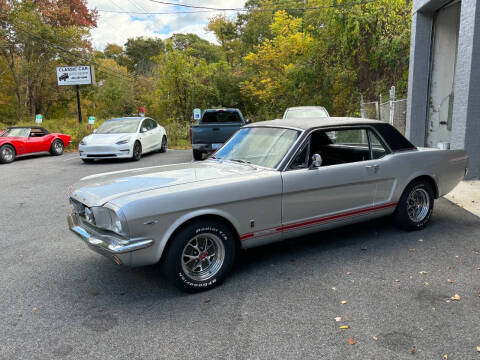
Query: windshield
[16, 132]
[119, 126]
[261, 146]
[305, 113]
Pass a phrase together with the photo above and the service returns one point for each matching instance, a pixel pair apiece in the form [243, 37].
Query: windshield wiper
[241, 161]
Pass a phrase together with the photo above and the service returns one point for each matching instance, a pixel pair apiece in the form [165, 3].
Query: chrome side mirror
[316, 161]
[248, 121]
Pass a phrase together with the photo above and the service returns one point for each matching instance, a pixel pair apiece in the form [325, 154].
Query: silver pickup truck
[214, 128]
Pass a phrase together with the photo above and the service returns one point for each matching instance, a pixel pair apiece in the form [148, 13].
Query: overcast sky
[117, 28]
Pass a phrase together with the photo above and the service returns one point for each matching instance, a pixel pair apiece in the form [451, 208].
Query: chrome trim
[109, 243]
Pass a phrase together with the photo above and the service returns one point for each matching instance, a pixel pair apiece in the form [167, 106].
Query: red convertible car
[22, 140]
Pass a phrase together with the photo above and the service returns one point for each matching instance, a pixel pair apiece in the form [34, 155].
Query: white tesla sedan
[127, 137]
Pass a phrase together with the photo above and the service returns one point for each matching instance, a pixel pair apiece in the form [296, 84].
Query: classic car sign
[38, 118]
[75, 75]
[91, 120]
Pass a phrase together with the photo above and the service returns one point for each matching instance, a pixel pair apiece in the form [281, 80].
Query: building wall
[466, 108]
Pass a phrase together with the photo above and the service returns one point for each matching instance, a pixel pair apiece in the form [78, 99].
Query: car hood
[105, 139]
[97, 190]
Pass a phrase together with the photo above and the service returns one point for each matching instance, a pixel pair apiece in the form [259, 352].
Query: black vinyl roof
[395, 140]
[29, 127]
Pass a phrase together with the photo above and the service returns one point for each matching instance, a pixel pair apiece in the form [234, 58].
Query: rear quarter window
[394, 139]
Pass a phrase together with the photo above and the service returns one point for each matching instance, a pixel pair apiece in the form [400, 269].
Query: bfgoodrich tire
[199, 256]
[197, 155]
[415, 207]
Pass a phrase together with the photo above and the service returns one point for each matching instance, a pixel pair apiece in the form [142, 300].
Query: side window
[301, 158]
[144, 126]
[153, 124]
[353, 137]
[340, 146]
[378, 150]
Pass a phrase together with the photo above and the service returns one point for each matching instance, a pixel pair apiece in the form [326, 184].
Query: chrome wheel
[203, 257]
[8, 153]
[418, 205]
[58, 146]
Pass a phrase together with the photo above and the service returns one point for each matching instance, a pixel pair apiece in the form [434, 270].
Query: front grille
[100, 149]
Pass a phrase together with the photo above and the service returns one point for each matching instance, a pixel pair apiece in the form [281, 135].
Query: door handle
[373, 167]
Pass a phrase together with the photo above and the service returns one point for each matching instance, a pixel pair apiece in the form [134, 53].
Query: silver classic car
[271, 181]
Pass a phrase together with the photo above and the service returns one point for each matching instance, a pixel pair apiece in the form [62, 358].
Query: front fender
[189, 216]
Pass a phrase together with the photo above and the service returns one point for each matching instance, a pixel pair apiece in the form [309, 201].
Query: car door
[37, 141]
[146, 135]
[381, 170]
[335, 192]
[156, 135]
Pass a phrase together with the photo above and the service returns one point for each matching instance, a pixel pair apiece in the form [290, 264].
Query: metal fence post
[392, 109]
[380, 112]
[362, 107]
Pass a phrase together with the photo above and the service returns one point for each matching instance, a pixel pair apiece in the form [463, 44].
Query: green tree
[140, 52]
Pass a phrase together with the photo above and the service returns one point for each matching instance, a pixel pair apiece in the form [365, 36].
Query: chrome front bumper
[115, 247]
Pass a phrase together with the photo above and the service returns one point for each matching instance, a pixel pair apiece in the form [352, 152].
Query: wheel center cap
[202, 256]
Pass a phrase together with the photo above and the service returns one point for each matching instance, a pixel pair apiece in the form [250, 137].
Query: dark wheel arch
[432, 183]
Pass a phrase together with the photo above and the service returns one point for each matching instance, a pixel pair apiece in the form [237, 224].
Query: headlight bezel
[107, 218]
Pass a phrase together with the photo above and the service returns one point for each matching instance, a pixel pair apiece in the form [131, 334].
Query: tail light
[191, 136]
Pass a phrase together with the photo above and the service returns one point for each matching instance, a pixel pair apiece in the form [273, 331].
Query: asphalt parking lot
[59, 300]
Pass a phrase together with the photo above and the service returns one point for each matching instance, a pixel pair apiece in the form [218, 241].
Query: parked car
[23, 140]
[214, 128]
[126, 137]
[271, 181]
[305, 112]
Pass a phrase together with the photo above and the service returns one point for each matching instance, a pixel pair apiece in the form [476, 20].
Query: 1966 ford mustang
[271, 181]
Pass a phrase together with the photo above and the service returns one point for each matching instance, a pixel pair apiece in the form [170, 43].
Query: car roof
[306, 107]
[312, 123]
[222, 109]
[129, 118]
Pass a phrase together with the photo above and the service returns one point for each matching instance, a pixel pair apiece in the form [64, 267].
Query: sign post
[91, 121]
[76, 75]
[78, 104]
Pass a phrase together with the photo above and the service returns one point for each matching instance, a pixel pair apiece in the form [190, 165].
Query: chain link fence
[393, 111]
